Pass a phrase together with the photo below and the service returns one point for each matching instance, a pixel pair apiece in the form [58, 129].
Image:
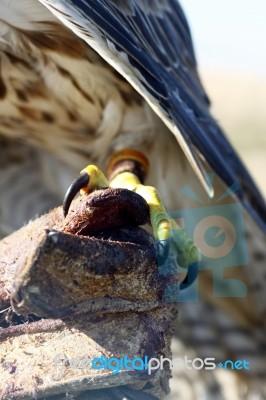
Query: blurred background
[229, 39]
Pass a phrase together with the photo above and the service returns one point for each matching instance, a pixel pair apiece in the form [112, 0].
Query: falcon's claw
[192, 275]
[73, 189]
[163, 248]
[91, 178]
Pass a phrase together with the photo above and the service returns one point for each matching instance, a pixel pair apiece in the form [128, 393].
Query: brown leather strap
[128, 160]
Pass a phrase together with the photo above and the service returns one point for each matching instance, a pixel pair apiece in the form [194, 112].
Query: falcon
[111, 88]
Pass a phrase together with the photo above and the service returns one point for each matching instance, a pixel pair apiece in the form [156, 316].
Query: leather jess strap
[128, 160]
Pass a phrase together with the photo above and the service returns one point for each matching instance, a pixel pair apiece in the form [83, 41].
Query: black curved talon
[193, 272]
[73, 189]
[163, 248]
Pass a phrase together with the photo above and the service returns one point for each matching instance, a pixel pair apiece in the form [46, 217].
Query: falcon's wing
[149, 43]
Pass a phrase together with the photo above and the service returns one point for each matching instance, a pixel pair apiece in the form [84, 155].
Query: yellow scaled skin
[159, 219]
[97, 179]
[163, 227]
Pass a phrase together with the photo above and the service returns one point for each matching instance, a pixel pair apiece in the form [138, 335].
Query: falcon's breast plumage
[81, 80]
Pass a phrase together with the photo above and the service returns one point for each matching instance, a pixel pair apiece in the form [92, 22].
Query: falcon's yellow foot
[160, 221]
[166, 231]
[92, 178]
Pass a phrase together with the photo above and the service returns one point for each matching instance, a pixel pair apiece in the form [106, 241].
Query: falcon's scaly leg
[159, 219]
[126, 170]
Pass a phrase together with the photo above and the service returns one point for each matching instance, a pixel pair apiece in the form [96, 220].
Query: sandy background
[239, 104]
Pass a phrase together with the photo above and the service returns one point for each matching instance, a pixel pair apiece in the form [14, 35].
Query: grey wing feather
[149, 42]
